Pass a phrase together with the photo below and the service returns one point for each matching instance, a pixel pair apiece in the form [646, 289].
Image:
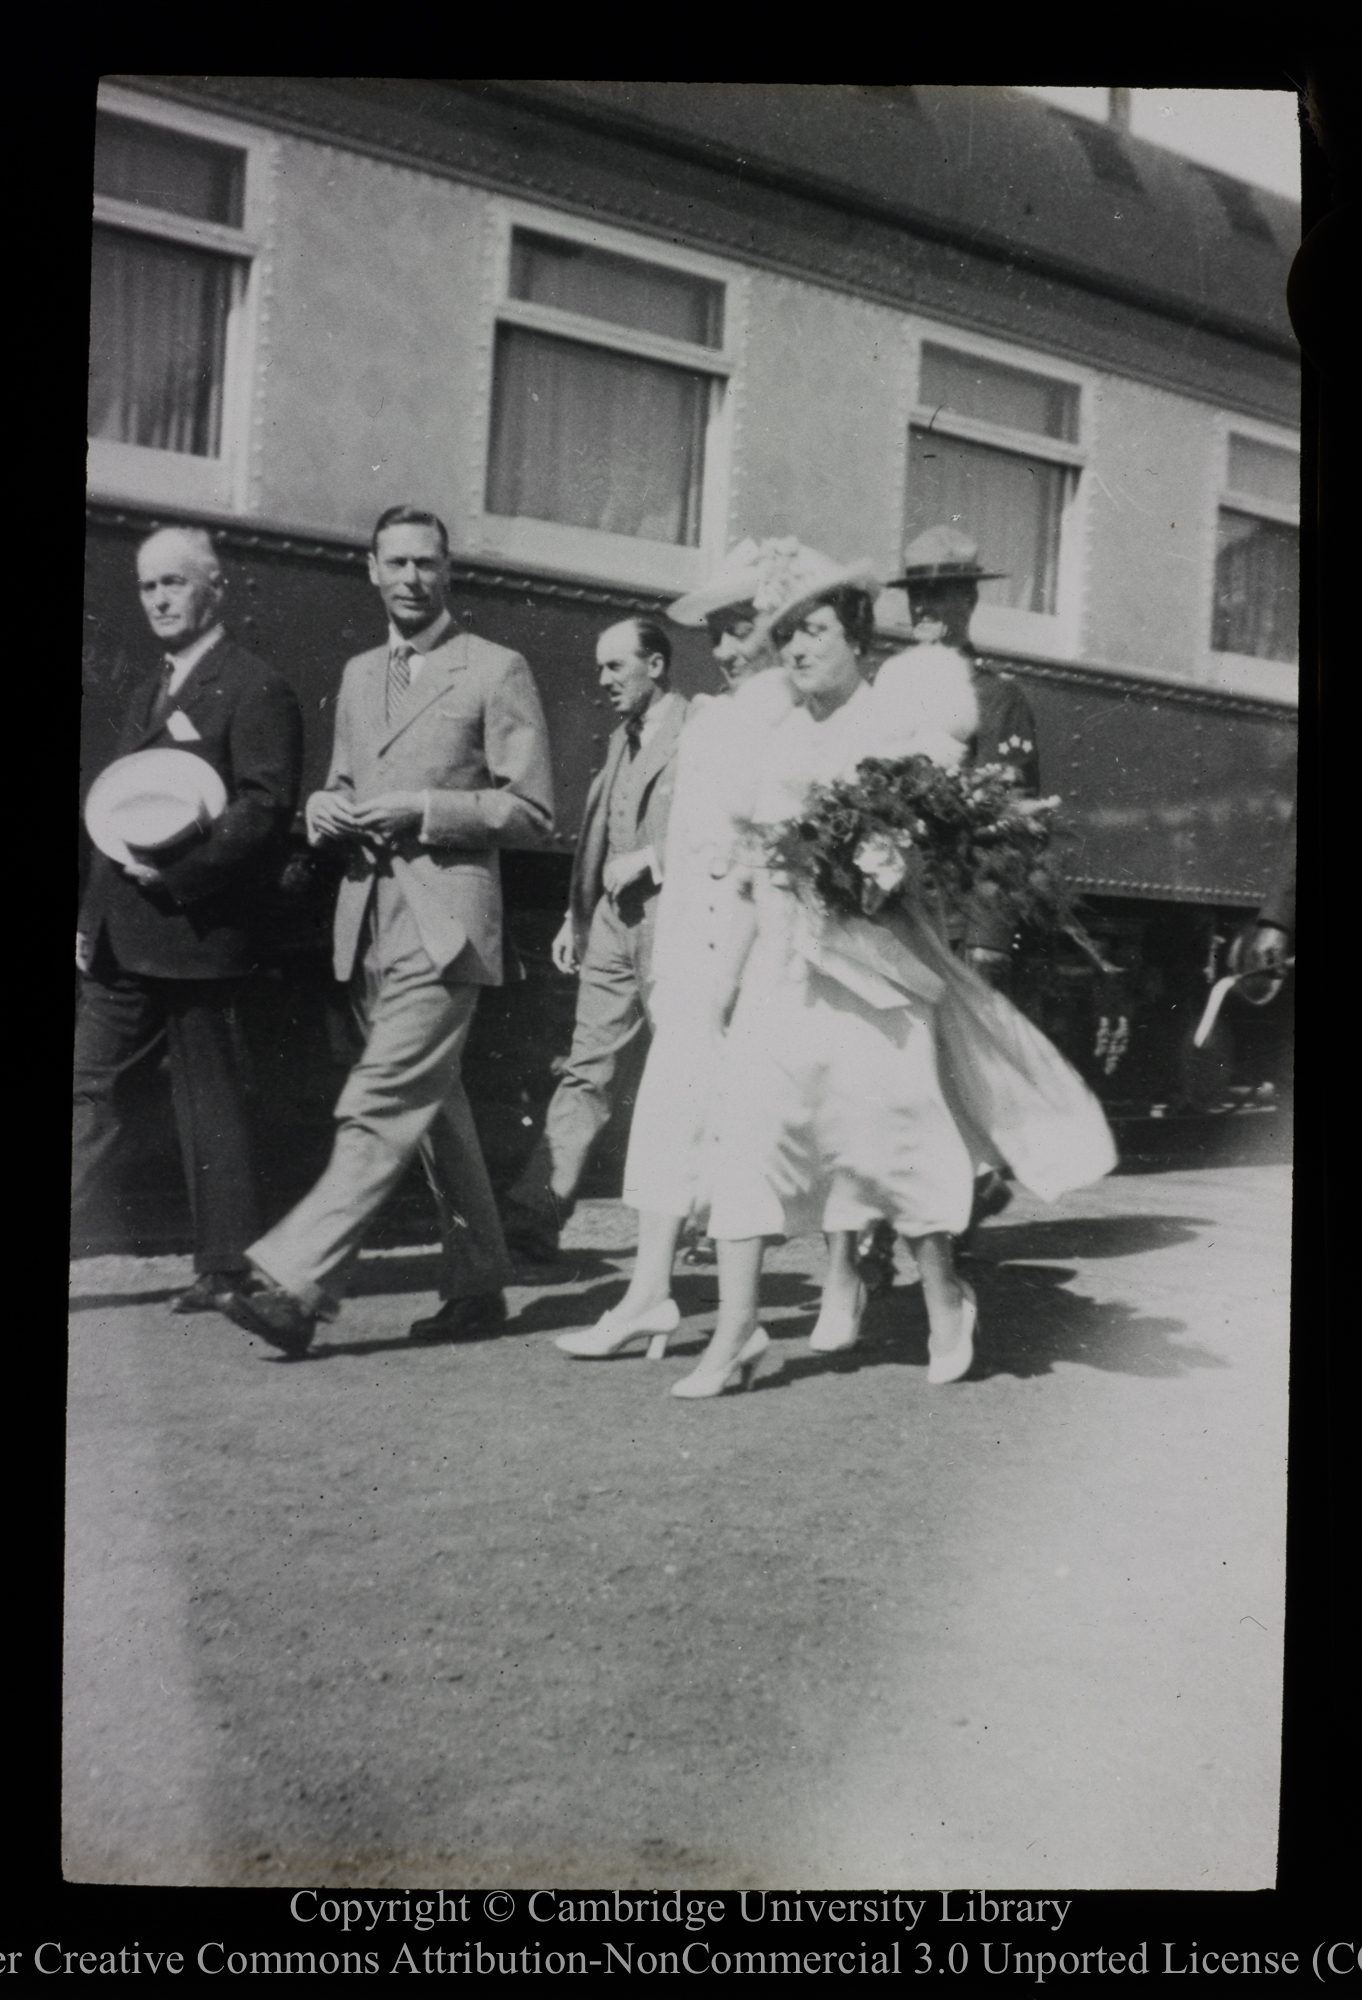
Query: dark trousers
[123, 1022]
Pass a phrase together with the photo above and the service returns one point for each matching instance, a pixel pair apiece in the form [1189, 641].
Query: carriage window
[170, 277]
[159, 308]
[1257, 561]
[993, 449]
[605, 387]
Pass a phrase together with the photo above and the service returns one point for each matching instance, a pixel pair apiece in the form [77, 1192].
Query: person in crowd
[441, 758]
[163, 943]
[607, 934]
[941, 575]
[865, 1067]
[718, 761]
[1274, 930]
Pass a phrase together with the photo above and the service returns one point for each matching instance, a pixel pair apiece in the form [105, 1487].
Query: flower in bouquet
[907, 829]
[885, 860]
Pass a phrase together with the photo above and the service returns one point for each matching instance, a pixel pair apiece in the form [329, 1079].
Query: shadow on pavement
[696, 1295]
[1086, 1236]
[1028, 1321]
[92, 1301]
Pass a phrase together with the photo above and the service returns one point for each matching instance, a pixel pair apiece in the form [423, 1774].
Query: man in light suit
[163, 949]
[607, 934]
[441, 758]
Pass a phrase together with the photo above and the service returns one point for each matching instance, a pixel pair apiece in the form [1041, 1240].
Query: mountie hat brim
[945, 573]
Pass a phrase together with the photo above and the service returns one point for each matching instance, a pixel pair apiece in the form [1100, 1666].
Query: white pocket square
[181, 728]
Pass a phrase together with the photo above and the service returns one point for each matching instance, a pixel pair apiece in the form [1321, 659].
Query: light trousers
[404, 1096]
[614, 984]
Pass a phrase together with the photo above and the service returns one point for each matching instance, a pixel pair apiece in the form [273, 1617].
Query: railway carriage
[608, 329]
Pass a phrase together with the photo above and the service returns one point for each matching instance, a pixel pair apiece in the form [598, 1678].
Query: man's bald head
[180, 582]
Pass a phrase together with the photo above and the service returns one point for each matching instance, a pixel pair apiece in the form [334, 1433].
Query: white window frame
[997, 628]
[180, 479]
[554, 545]
[1244, 673]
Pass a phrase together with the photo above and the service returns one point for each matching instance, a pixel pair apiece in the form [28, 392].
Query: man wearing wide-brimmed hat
[941, 575]
[163, 934]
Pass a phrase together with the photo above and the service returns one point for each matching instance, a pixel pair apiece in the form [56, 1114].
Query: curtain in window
[1257, 587]
[158, 340]
[596, 439]
[1012, 506]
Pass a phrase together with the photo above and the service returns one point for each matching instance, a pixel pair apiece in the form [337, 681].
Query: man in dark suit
[607, 934]
[162, 949]
[441, 758]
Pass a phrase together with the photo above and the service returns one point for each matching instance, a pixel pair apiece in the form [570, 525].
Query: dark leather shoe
[462, 1319]
[532, 1246]
[209, 1292]
[991, 1196]
[275, 1315]
[875, 1262]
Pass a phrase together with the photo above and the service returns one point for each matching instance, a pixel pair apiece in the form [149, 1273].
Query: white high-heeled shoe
[738, 1375]
[611, 1334]
[957, 1360]
[839, 1327]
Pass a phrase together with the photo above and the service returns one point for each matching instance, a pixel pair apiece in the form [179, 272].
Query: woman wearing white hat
[719, 761]
[831, 1112]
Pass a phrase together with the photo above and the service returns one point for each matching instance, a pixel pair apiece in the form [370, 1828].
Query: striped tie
[165, 701]
[399, 676]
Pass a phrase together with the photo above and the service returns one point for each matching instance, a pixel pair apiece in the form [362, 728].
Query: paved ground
[484, 1615]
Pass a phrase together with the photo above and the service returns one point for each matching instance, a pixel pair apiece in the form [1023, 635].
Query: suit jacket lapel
[653, 757]
[138, 730]
[202, 675]
[589, 859]
[437, 671]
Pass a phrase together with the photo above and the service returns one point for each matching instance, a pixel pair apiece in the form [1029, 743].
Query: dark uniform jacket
[196, 926]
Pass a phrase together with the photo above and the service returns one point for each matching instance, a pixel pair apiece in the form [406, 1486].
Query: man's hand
[141, 872]
[563, 950]
[85, 952]
[329, 817]
[390, 814]
[622, 869]
[1268, 949]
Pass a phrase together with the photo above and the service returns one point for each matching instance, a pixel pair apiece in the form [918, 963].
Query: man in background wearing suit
[441, 758]
[607, 934]
[162, 949]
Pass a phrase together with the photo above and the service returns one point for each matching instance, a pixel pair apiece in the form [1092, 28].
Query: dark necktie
[399, 677]
[164, 701]
[633, 735]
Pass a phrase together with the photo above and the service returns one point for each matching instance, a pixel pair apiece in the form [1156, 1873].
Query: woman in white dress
[719, 763]
[831, 1111]
[832, 1106]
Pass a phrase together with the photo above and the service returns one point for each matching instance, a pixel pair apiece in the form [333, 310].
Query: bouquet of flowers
[909, 829]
